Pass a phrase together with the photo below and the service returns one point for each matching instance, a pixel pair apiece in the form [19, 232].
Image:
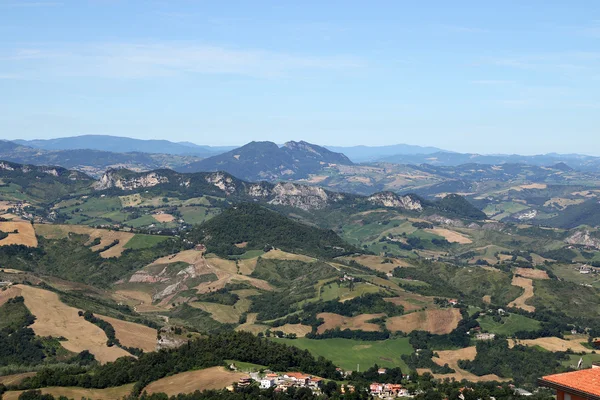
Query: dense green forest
[261, 228]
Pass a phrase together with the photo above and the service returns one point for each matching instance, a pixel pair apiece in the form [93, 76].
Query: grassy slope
[347, 353]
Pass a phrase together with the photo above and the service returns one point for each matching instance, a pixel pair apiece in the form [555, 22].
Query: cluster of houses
[387, 390]
[283, 381]
[286, 380]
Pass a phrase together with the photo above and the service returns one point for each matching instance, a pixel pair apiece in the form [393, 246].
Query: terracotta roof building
[577, 385]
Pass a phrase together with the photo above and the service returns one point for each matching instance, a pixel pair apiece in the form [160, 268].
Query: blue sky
[488, 77]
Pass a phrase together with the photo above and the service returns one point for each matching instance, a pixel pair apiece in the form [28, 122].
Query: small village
[283, 381]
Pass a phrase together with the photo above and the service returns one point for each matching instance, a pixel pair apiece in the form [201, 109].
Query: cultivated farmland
[438, 322]
[189, 382]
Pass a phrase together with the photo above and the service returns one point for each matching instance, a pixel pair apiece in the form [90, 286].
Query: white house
[267, 383]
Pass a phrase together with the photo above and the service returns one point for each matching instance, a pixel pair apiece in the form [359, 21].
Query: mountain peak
[266, 161]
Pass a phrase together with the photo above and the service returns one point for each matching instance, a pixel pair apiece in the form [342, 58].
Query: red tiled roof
[586, 380]
[297, 375]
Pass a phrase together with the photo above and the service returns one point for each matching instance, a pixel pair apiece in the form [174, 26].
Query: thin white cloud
[143, 60]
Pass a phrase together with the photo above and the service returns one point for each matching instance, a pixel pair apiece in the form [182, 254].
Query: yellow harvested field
[8, 294]
[222, 264]
[532, 273]
[163, 218]
[16, 378]
[573, 343]
[56, 319]
[131, 334]
[282, 255]
[114, 393]
[451, 358]
[25, 236]
[520, 301]
[247, 266]
[438, 322]
[139, 300]
[332, 321]
[487, 299]
[189, 382]
[451, 236]
[377, 262]
[299, 329]
[106, 237]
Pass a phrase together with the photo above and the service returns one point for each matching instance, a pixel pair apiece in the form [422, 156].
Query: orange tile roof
[297, 375]
[586, 380]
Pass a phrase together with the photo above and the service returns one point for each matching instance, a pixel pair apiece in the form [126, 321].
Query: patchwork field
[438, 322]
[299, 329]
[332, 321]
[25, 233]
[114, 393]
[347, 353]
[451, 358]
[56, 319]
[189, 382]
[133, 335]
[520, 301]
[105, 236]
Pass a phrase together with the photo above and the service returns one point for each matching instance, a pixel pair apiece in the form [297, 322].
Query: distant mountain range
[577, 161]
[118, 144]
[92, 162]
[361, 154]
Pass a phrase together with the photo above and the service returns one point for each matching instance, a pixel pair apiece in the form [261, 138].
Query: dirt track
[519, 302]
